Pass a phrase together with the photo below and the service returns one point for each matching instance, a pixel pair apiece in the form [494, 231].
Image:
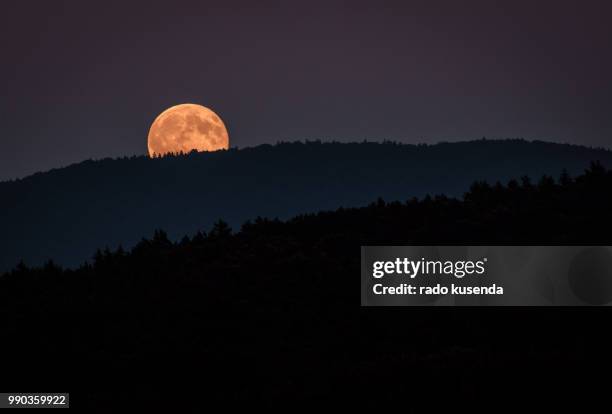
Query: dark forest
[270, 312]
[66, 214]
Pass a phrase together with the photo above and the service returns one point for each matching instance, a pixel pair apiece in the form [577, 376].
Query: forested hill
[324, 246]
[270, 312]
[65, 214]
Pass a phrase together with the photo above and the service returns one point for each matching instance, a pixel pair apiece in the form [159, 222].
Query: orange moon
[187, 127]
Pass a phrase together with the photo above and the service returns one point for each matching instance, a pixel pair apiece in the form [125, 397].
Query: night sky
[85, 79]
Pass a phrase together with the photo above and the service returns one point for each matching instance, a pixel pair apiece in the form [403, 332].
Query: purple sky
[85, 79]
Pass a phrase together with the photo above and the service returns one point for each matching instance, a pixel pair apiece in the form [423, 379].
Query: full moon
[187, 127]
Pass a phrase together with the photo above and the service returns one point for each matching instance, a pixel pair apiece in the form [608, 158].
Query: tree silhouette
[275, 305]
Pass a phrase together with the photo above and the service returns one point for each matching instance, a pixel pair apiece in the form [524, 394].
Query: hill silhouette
[270, 314]
[65, 214]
